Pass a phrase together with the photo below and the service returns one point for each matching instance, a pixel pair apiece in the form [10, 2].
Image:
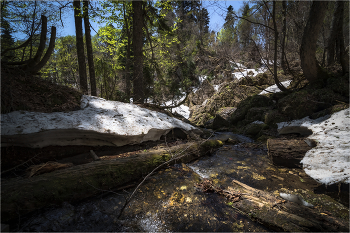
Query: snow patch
[329, 161]
[274, 88]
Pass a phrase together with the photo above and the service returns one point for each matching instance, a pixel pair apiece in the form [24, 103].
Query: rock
[256, 114]
[248, 103]
[307, 102]
[287, 153]
[99, 123]
[254, 129]
[226, 112]
[272, 117]
[219, 122]
[303, 131]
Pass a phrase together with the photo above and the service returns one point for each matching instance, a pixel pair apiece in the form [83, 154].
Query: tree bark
[279, 85]
[89, 48]
[86, 180]
[80, 46]
[42, 43]
[284, 31]
[127, 62]
[343, 54]
[47, 55]
[312, 71]
[138, 58]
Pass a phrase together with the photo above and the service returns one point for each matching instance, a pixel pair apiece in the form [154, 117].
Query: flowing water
[170, 201]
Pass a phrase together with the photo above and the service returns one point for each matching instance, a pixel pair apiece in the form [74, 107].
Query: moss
[212, 144]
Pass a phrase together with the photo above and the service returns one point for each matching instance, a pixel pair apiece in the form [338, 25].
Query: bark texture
[312, 71]
[80, 46]
[287, 153]
[90, 56]
[23, 195]
[138, 58]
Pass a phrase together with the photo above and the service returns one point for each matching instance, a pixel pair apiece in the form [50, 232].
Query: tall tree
[312, 71]
[138, 81]
[7, 40]
[335, 47]
[89, 48]
[80, 46]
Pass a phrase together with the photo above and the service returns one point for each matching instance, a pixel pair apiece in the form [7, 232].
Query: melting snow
[274, 88]
[329, 161]
[97, 114]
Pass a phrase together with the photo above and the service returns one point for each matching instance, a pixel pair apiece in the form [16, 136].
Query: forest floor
[31, 93]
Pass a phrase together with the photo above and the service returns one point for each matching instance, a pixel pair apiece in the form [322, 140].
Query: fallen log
[288, 153]
[23, 195]
[280, 215]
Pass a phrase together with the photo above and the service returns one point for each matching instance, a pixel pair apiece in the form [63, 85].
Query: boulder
[248, 103]
[255, 128]
[98, 123]
[256, 113]
[220, 122]
[306, 102]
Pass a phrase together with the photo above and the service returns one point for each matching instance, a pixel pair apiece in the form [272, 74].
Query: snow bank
[329, 161]
[100, 119]
[274, 88]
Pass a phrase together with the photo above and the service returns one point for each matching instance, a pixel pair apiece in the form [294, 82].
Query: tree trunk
[288, 153]
[279, 85]
[312, 71]
[42, 43]
[343, 55]
[89, 49]
[276, 213]
[86, 180]
[80, 46]
[127, 63]
[47, 55]
[138, 58]
[284, 31]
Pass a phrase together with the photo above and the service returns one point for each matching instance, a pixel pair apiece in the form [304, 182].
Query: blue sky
[216, 9]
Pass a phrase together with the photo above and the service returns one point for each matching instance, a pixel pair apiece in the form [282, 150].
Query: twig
[19, 164]
[94, 156]
[149, 174]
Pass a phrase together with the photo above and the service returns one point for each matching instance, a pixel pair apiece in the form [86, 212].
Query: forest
[175, 116]
[156, 50]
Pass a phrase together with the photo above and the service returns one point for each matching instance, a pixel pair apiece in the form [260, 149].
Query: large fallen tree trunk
[281, 215]
[23, 195]
[294, 215]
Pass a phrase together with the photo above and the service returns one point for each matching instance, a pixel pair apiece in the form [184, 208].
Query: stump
[288, 152]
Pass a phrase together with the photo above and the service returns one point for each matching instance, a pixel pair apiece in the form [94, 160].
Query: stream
[170, 201]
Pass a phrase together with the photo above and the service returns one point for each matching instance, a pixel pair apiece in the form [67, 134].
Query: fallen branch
[74, 183]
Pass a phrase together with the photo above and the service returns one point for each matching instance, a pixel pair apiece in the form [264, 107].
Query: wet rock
[303, 131]
[219, 122]
[254, 129]
[288, 153]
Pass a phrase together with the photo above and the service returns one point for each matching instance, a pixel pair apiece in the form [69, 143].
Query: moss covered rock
[247, 104]
[255, 130]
